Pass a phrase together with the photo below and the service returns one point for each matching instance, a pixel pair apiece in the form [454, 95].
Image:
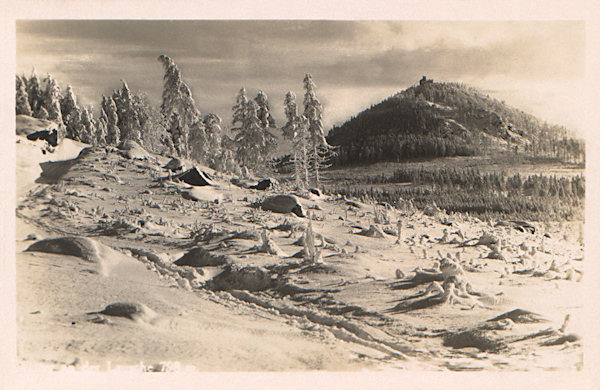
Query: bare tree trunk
[316, 164]
[305, 163]
[297, 168]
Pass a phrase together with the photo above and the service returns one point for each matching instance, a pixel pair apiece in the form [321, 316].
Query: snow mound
[473, 338]
[132, 310]
[373, 231]
[248, 278]
[200, 257]
[207, 194]
[81, 247]
[282, 204]
[86, 249]
[132, 150]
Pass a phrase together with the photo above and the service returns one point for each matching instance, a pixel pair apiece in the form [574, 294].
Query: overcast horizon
[535, 66]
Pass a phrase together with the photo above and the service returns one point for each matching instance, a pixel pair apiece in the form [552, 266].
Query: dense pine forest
[485, 195]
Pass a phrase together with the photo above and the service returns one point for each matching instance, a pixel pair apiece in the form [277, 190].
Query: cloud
[353, 63]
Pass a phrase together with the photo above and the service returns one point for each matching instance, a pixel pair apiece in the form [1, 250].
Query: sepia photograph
[300, 195]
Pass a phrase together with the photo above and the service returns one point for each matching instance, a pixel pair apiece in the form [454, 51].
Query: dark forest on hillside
[443, 120]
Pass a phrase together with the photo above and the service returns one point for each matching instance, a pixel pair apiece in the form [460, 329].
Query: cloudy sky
[535, 66]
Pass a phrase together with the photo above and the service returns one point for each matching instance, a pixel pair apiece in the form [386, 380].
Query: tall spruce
[254, 143]
[212, 123]
[207, 145]
[197, 141]
[113, 133]
[142, 110]
[178, 105]
[34, 94]
[51, 99]
[88, 129]
[295, 130]
[240, 110]
[74, 127]
[128, 122]
[67, 103]
[22, 99]
[101, 128]
[313, 111]
[178, 137]
[263, 111]
[71, 114]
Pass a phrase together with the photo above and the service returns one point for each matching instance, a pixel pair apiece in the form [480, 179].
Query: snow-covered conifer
[295, 130]
[34, 93]
[254, 143]
[113, 133]
[128, 123]
[177, 99]
[313, 111]
[67, 104]
[22, 99]
[101, 129]
[88, 129]
[71, 114]
[240, 110]
[73, 126]
[263, 112]
[206, 140]
[51, 99]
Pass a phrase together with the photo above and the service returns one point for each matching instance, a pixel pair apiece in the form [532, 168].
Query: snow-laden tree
[291, 114]
[71, 114]
[263, 112]
[34, 93]
[20, 82]
[313, 111]
[206, 146]
[301, 144]
[113, 133]
[51, 99]
[67, 104]
[212, 124]
[141, 108]
[177, 99]
[101, 128]
[295, 129]
[128, 123]
[73, 126]
[152, 128]
[254, 143]
[88, 129]
[22, 99]
[178, 137]
[198, 142]
[240, 110]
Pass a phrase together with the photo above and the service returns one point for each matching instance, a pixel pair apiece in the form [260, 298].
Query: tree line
[178, 128]
[487, 195]
[499, 182]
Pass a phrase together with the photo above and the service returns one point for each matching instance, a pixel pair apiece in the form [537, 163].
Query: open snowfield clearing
[229, 286]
